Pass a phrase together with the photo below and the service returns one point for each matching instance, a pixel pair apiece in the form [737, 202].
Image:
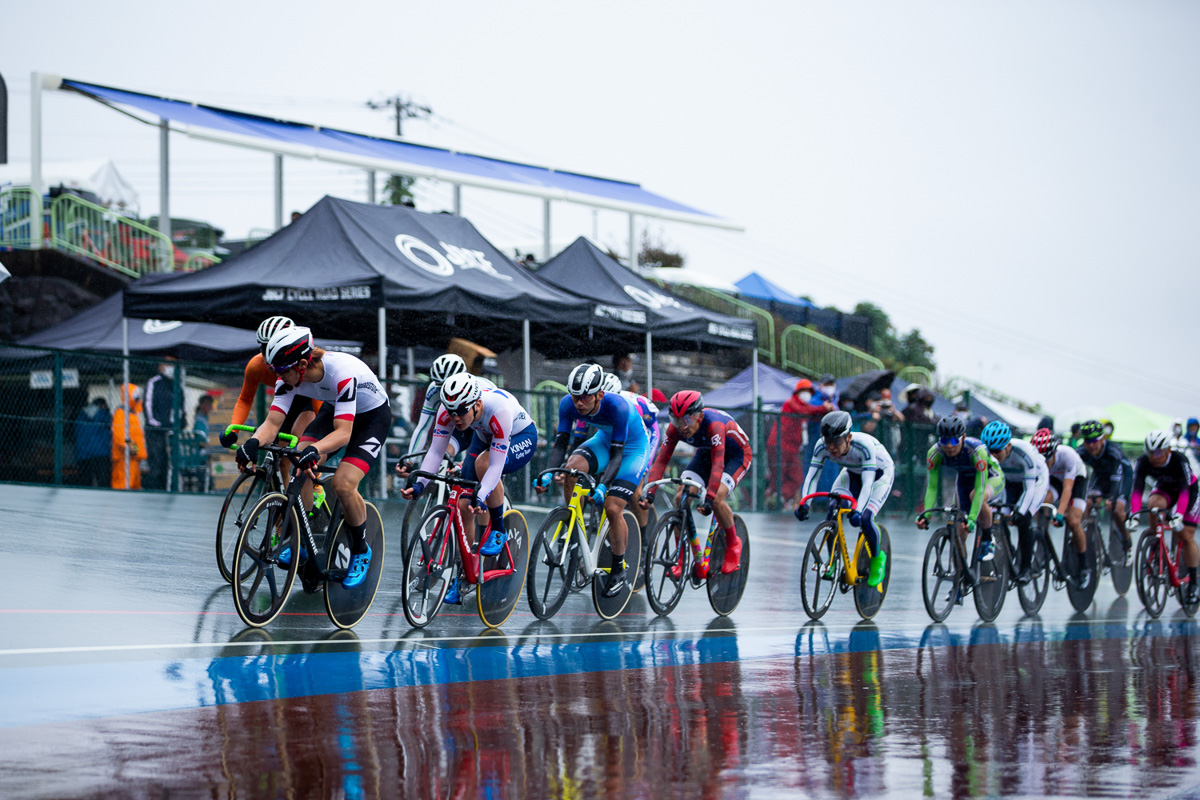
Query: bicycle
[568, 537]
[420, 506]
[1157, 572]
[828, 564]
[440, 554]
[1122, 573]
[672, 566]
[946, 568]
[274, 525]
[1046, 565]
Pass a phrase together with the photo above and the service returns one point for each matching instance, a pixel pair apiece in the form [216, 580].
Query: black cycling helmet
[835, 425]
[951, 426]
[1091, 430]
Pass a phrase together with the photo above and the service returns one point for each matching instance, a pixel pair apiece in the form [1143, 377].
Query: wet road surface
[124, 671]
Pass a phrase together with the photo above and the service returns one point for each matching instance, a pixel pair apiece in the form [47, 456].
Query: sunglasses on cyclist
[282, 370]
[950, 441]
[461, 411]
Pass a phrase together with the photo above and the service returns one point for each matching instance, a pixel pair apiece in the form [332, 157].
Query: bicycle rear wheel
[553, 560]
[868, 599]
[609, 607]
[1033, 594]
[1153, 579]
[502, 576]
[669, 564]
[1122, 575]
[429, 568]
[1076, 566]
[347, 606]
[821, 570]
[725, 590]
[246, 490]
[941, 577]
[262, 584]
[651, 523]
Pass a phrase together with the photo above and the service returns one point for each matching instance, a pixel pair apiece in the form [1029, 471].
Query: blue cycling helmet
[996, 435]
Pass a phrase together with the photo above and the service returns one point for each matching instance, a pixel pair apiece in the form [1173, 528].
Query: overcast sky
[1018, 180]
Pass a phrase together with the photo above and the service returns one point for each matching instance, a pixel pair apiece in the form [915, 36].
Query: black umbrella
[859, 387]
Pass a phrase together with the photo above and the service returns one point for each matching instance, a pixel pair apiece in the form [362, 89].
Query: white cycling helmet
[612, 383]
[444, 366]
[289, 346]
[585, 379]
[1157, 440]
[269, 326]
[460, 392]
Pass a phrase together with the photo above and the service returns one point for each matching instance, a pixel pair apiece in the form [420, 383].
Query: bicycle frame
[957, 518]
[473, 572]
[851, 564]
[589, 552]
[1160, 527]
[690, 491]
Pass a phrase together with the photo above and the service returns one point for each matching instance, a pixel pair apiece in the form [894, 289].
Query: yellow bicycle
[828, 566]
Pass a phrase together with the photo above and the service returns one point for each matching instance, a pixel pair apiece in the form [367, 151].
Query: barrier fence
[57, 411]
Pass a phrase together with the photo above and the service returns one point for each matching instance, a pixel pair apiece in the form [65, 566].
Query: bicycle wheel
[725, 590]
[868, 599]
[262, 585]
[347, 606]
[416, 511]
[991, 582]
[941, 577]
[669, 563]
[651, 522]
[1153, 579]
[429, 567]
[553, 560]
[1182, 589]
[246, 490]
[502, 576]
[1033, 594]
[609, 607]
[821, 570]
[1076, 567]
[1122, 575]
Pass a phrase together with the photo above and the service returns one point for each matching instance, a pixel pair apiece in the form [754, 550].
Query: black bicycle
[272, 547]
[949, 574]
[1114, 557]
[247, 489]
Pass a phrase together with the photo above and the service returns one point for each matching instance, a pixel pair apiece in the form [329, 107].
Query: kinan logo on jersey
[442, 264]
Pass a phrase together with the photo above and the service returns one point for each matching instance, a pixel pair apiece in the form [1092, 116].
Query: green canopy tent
[1131, 423]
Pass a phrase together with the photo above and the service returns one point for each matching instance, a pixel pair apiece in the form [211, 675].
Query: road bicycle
[571, 550]
[1158, 569]
[1111, 553]
[828, 566]
[949, 574]
[672, 564]
[278, 526]
[1047, 565]
[440, 554]
[435, 495]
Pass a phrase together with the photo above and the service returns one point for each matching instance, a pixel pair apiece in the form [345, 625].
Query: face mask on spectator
[805, 397]
[829, 388]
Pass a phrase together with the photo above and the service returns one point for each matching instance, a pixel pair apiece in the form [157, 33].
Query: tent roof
[755, 285]
[774, 387]
[1131, 423]
[98, 176]
[370, 152]
[588, 272]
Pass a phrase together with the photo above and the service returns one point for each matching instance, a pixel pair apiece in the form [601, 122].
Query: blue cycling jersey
[616, 415]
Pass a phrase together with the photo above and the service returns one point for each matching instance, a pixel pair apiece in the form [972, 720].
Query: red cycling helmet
[1044, 441]
[686, 402]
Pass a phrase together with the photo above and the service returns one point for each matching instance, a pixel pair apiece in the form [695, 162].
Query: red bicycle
[439, 554]
[1157, 571]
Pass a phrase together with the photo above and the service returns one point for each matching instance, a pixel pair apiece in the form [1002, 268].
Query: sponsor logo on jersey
[347, 390]
[444, 417]
[494, 425]
[371, 447]
[716, 440]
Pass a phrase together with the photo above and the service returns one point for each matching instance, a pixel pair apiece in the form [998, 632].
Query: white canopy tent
[98, 176]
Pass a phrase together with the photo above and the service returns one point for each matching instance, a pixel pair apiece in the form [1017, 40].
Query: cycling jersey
[1027, 463]
[973, 463]
[620, 431]
[1174, 479]
[1112, 474]
[257, 374]
[722, 451]
[649, 414]
[430, 408]
[867, 458]
[1067, 464]
[503, 426]
[348, 383]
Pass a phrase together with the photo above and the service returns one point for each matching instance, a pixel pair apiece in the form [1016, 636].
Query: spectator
[785, 444]
[1046, 422]
[1193, 434]
[529, 261]
[295, 216]
[920, 404]
[127, 474]
[160, 420]
[826, 392]
[623, 368]
[200, 418]
[1108, 428]
[1076, 438]
[93, 443]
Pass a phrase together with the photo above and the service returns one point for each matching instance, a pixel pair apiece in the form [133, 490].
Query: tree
[893, 349]
[397, 191]
[655, 253]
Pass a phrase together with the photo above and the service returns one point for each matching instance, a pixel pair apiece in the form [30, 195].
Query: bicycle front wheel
[429, 567]
[246, 490]
[1076, 566]
[347, 606]
[1033, 593]
[552, 563]
[669, 563]
[941, 578]
[1122, 573]
[991, 583]
[821, 570]
[1153, 580]
[868, 599]
[262, 583]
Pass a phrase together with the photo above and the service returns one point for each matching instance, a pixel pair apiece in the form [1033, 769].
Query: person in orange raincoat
[137, 441]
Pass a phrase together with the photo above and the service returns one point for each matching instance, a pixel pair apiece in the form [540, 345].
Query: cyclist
[1174, 485]
[979, 478]
[355, 415]
[1028, 467]
[649, 414]
[1068, 485]
[617, 452]
[867, 472]
[721, 459]
[503, 440]
[442, 368]
[1112, 474]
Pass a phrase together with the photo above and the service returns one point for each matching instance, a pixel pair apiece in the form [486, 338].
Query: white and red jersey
[501, 419]
[348, 383]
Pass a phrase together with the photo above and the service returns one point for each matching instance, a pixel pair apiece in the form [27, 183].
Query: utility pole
[398, 189]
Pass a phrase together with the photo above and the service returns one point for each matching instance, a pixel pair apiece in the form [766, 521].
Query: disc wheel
[725, 590]
[1033, 594]
[991, 583]
[553, 560]
[669, 564]
[869, 599]
[1074, 565]
[1122, 576]
[941, 578]
[1153, 580]
[262, 584]
[347, 606]
[429, 567]
[246, 490]
[820, 571]
[609, 607]
[502, 576]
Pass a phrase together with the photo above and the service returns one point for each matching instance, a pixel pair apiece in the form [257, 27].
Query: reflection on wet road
[124, 671]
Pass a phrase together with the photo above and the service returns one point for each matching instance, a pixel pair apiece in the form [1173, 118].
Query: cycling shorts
[368, 432]
[1191, 516]
[1078, 491]
[521, 448]
[851, 483]
[635, 463]
[1102, 484]
[700, 467]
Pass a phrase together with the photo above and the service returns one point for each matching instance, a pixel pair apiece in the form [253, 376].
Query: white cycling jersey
[430, 408]
[501, 419]
[1067, 464]
[1034, 475]
[348, 383]
[865, 456]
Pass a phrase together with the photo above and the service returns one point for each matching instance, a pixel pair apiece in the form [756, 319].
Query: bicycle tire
[1032, 595]
[498, 595]
[429, 568]
[610, 607]
[940, 572]
[554, 553]
[668, 548]
[1081, 598]
[820, 571]
[347, 606]
[270, 527]
[1122, 576]
[869, 599]
[651, 522]
[725, 590]
[251, 484]
[991, 582]
[1153, 580]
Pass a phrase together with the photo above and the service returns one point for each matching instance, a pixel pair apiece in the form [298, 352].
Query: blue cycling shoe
[453, 597]
[359, 564]
[494, 544]
[285, 556]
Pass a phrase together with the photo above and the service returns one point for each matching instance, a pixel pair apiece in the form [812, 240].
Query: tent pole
[383, 473]
[278, 191]
[528, 400]
[125, 389]
[164, 184]
[633, 255]
[649, 365]
[546, 229]
[754, 425]
[412, 365]
[458, 199]
[35, 155]
[371, 186]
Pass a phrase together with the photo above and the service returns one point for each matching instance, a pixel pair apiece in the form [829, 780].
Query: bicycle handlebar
[432, 476]
[832, 496]
[289, 451]
[691, 484]
[948, 510]
[287, 437]
[577, 474]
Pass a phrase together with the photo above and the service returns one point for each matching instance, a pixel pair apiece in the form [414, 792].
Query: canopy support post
[125, 388]
[383, 470]
[633, 254]
[458, 199]
[35, 155]
[545, 230]
[164, 182]
[649, 365]
[412, 364]
[371, 186]
[528, 398]
[754, 423]
[278, 191]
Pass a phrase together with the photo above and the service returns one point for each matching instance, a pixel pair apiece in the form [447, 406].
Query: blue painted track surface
[124, 671]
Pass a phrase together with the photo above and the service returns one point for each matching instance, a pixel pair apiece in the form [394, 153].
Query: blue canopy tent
[756, 286]
[774, 387]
